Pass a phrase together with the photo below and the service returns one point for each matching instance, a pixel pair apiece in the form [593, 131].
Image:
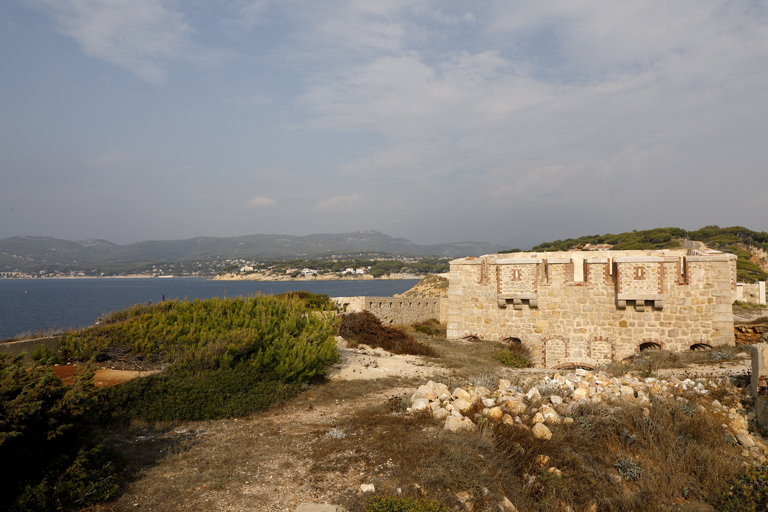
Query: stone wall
[26, 347]
[393, 310]
[591, 308]
[751, 293]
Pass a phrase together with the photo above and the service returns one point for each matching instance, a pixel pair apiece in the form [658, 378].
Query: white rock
[462, 405]
[504, 384]
[540, 431]
[533, 394]
[745, 440]
[441, 413]
[556, 400]
[580, 394]
[506, 506]
[495, 413]
[460, 393]
[420, 404]
[489, 402]
[367, 488]
[550, 416]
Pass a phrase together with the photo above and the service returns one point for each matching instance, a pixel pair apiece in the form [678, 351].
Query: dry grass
[276, 459]
[365, 328]
[647, 362]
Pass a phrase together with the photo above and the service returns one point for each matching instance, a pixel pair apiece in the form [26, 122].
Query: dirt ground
[320, 446]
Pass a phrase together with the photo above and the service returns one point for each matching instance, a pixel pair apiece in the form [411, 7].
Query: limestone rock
[580, 393]
[495, 414]
[503, 384]
[745, 440]
[420, 404]
[514, 407]
[315, 507]
[550, 416]
[507, 420]
[489, 402]
[540, 431]
[454, 424]
[459, 393]
[533, 394]
[462, 405]
[556, 400]
[506, 506]
[441, 413]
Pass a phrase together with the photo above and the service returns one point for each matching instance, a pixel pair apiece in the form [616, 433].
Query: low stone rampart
[26, 347]
[393, 310]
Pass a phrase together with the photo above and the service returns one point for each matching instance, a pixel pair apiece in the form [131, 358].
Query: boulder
[504, 384]
[540, 431]
[316, 507]
[580, 394]
[495, 414]
[462, 405]
[454, 424]
[420, 404]
[367, 488]
[506, 506]
[441, 413]
[459, 393]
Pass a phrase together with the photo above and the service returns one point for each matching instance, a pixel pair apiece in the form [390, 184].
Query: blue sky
[503, 121]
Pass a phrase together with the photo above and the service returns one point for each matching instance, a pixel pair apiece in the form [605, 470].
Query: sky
[504, 121]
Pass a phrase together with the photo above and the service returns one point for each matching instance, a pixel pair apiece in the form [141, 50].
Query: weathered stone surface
[580, 393]
[420, 404]
[454, 424]
[367, 488]
[316, 507]
[461, 393]
[540, 431]
[495, 413]
[506, 506]
[462, 405]
[745, 440]
[514, 407]
[441, 414]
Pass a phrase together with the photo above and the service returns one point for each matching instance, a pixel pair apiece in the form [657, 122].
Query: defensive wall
[590, 308]
[751, 293]
[395, 310]
[27, 347]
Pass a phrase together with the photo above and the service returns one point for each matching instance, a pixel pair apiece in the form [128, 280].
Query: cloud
[261, 202]
[339, 203]
[138, 35]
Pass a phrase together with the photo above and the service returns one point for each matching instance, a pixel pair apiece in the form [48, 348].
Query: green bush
[510, 358]
[746, 492]
[49, 458]
[182, 394]
[382, 504]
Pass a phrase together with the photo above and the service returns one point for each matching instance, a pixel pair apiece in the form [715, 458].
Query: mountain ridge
[27, 251]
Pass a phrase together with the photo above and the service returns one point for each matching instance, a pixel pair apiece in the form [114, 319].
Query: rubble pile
[543, 404]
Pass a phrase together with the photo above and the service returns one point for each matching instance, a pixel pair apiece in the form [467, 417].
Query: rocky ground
[386, 424]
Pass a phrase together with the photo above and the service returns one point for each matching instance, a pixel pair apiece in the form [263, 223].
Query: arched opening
[649, 345]
[470, 337]
[512, 341]
[701, 346]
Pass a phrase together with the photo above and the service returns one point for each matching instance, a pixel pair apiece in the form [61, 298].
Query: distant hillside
[751, 247]
[25, 252]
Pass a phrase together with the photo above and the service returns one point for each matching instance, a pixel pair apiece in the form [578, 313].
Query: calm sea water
[34, 304]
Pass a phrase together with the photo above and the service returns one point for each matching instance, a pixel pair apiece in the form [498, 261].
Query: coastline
[313, 278]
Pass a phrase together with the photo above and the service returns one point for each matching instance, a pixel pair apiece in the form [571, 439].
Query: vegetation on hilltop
[226, 357]
[735, 240]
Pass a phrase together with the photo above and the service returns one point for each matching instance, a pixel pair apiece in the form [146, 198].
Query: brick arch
[578, 363]
[650, 344]
[700, 345]
[551, 347]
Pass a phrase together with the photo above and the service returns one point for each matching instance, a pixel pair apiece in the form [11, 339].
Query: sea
[34, 305]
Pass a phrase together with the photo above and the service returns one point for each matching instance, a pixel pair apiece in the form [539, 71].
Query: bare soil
[322, 445]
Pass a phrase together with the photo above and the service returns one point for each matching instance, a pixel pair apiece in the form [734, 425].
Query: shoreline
[365, 277]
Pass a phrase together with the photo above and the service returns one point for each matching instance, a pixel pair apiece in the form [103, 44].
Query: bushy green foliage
[513, 359]
[228, 357]
[49, 458]
[41, 355]
[628, 468]
[383, 504]
[183, 394]
[746, 492]
[278, 334]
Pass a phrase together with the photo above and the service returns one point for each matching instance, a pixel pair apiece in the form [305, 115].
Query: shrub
[182, 394]
[628, 469]
[747, 491]
[514, 359]
[382, 504]
[431, 327]
[228, 357]
[49, 458]
[364, 327]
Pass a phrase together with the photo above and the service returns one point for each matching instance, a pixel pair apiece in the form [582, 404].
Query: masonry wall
[587, 308]
[394, 310]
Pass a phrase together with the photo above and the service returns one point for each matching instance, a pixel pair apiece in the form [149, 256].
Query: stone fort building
[589, 308]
